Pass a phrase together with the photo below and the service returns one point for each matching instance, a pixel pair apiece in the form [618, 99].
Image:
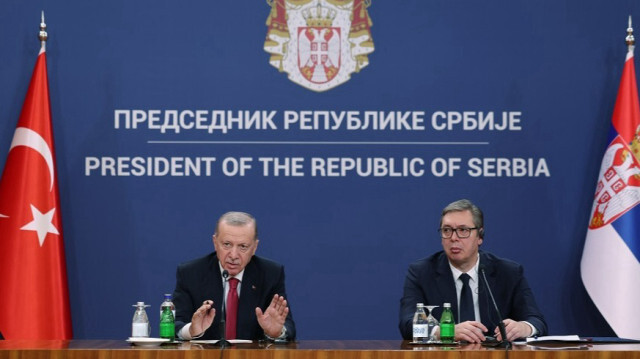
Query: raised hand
[273, 318]
[202, 319]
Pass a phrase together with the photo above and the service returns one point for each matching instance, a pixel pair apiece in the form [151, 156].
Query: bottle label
[447, 332]
[140, 329]
[167, 330]
[420, 331]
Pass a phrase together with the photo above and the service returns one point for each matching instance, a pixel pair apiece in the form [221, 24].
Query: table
[304, 349]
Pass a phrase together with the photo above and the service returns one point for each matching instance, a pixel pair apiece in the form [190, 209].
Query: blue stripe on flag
[628, 227]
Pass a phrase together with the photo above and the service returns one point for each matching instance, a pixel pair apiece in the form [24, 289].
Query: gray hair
[466, 205]
[238, 219]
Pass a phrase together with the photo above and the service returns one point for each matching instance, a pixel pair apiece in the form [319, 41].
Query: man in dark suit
[262, 309]
[436, 279]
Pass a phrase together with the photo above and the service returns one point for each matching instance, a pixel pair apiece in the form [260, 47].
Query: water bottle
[420, 327]
[167, 318]
[140, 325]
[447, 325]
[168, 300]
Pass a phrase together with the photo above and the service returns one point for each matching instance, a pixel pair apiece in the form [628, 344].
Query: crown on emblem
[319, 17]
[635, 144]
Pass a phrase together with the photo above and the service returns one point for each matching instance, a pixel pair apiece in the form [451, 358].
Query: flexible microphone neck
[504, 343]
[223, 322]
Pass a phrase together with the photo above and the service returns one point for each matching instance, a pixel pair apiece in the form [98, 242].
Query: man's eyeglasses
[462, 232]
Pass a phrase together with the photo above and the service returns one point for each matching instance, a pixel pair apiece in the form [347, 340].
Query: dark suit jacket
[430, 281]
[200, 279]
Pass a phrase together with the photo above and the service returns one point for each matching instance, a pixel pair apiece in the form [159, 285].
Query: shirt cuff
[283, 334]
[184, 333]
[533, 329]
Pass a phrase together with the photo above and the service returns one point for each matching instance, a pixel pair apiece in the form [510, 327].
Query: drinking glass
[432, 323]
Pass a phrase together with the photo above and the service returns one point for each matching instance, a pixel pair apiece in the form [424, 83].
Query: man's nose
[234, 252]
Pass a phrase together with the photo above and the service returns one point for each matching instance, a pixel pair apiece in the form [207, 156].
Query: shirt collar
[237, 276]
[473, 272]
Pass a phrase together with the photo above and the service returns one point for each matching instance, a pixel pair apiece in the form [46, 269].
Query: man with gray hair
[254, 292]
[452, 275]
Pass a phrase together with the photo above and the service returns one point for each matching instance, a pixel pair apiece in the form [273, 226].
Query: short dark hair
[466, 205]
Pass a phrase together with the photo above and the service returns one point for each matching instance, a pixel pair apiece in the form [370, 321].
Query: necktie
[232, 308]
[466, 300]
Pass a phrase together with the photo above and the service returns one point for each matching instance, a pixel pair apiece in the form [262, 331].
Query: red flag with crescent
[34, 298]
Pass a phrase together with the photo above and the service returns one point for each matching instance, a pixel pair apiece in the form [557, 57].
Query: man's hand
[470, 331]
[202, 319]
[514, 330]
[272, 320]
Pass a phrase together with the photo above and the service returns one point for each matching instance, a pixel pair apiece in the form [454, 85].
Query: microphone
[223, 342]
[503, 332]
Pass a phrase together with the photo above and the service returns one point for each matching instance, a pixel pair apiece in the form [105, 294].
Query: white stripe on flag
[611, 275]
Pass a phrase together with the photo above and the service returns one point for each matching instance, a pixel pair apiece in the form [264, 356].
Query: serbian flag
[610, 266]
[34, 298]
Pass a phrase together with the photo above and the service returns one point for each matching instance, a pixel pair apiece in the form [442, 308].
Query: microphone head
[225, 274]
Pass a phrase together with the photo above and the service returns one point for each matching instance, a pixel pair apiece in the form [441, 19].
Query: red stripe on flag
[626, 114]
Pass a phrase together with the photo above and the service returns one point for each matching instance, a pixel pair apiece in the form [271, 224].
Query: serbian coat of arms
[319, 43]
[618, 188]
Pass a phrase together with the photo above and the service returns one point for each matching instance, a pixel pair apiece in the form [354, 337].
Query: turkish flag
[34, 298]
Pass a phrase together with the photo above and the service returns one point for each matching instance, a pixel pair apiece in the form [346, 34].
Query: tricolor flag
[610, 266]
[34, 298]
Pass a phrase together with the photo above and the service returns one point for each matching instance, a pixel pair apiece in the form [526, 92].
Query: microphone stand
[223, 342]
[504, 343]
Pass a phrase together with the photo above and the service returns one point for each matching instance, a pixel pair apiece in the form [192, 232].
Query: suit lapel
[213, 284]
[248, 301]
[446, 285]
[213, 290]
[487, 312]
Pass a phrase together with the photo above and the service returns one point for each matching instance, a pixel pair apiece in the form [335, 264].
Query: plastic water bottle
[420, 326]
[447, 325]
[140, 324]
[167, 318]
[168, 300]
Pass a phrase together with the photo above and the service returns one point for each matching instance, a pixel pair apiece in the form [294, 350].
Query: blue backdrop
[345, 241]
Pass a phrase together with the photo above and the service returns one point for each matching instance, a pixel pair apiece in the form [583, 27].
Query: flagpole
[43, 33]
